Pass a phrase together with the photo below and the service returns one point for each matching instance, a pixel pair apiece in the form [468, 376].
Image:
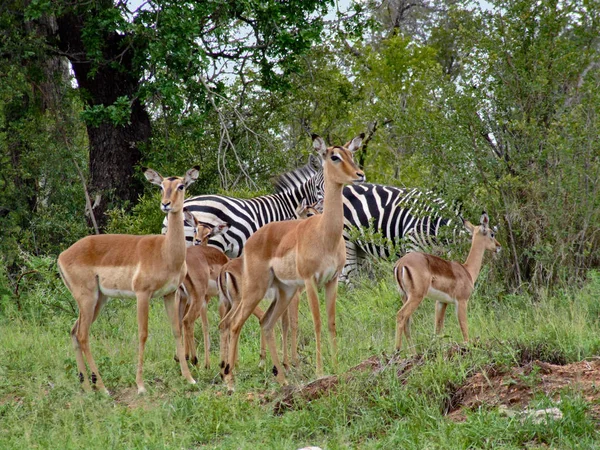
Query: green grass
[42, 405]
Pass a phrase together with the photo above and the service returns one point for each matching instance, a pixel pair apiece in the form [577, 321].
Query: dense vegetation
[493, 106]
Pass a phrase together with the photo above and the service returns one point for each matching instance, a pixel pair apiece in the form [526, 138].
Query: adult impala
[291, 254]
[421, 275]
[118, 265]
[230, 293]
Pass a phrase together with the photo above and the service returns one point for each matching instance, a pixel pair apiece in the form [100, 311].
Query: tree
[167, 58]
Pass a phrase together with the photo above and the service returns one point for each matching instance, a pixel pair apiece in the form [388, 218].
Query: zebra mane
[293, 179]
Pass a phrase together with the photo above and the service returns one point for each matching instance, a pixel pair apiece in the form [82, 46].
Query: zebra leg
[351, 265]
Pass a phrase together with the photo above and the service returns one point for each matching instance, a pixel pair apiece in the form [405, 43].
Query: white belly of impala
[440, 296]
[117, 293]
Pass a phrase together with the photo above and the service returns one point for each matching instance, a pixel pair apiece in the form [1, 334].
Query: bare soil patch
[516, 387]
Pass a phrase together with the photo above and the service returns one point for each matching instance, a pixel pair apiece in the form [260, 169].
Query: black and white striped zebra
[407, 218]
[245, 216]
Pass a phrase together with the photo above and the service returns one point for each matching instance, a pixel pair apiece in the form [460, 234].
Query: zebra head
[305, 184]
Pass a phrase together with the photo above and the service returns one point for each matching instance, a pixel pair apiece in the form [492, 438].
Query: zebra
[245, 216]
[404, 219]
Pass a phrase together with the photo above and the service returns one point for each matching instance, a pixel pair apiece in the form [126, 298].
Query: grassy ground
[42, 406]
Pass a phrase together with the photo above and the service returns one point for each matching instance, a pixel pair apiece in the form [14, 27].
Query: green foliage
[117, 114]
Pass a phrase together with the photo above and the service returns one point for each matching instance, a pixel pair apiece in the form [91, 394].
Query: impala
[118, 265]
[421, 275]
[291, 254]
[200, 284]
[229, 285]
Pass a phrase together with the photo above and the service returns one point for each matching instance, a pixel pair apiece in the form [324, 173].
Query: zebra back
[245, 216]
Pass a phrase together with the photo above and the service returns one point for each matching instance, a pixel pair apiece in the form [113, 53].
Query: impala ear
[485, 220]
[468, 226]
[191, 175]
[189, 217]
[319, 145]
[355, 143]
[485, 223]
[153, 176]
[219, 229]
[301, 208]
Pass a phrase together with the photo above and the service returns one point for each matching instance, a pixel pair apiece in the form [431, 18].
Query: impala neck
[332, 220]
[174, 247]
[474, 260]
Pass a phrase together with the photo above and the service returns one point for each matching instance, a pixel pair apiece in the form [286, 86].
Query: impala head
[204, 231]
[172, 188]
[484, 234]
[304, 211]
[338, 162]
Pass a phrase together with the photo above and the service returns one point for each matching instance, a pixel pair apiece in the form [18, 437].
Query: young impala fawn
[119, 265]
[200, 284]
[229, 285]
[291, 254]
[421, 275]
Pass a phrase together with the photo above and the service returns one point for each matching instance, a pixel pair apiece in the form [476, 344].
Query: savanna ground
[440, 394]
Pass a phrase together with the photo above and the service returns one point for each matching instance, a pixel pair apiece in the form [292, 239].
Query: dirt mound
[516, 387]
[324, 385]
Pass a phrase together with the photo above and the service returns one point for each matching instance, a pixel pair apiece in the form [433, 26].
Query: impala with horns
[203, 267]
[291, 254]
[421, 275]
[142, 267]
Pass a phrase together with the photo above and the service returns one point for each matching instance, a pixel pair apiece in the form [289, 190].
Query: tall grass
[41, 404]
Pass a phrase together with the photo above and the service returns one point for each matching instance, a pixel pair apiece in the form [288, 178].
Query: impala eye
[335, 158]
[492, 235]
[180, 187]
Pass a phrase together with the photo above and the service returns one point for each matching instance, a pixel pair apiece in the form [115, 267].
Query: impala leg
[293, 312]
[238, 317]
[263, 342]
[330, 299]
[440, 312]
[90, 304]
[268, 323]
[403, 316]
[313, 302]
[285, 328]
[224, 308]
[461, 314]
[83, 377]
[172, 308]
[196, 308]
[143, 307]
[204, 318]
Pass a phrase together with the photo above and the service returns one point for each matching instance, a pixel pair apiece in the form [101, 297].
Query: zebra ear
[355, 143]
[153, 176]
[319, 145]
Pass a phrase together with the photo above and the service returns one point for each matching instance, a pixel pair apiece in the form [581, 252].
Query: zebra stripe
[245, 216]
[408, 216]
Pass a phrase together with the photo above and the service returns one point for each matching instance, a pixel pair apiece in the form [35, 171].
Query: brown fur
[97, 267]
[230, 289]
[287, 255]
[420, 275]
[203, 266]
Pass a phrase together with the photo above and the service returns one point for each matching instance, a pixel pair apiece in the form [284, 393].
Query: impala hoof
[141, 390]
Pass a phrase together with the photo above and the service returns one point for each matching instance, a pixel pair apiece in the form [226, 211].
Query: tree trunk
[113, 151]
